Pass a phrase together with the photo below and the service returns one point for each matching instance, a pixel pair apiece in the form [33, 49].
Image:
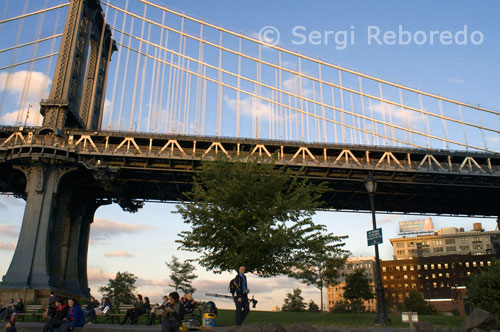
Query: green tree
[319, 265]
[120, 289]
[294, 301]
[483, 290]
[249, 213]
[312, 307]
[181, 275]
[415, 302]
[357, 288]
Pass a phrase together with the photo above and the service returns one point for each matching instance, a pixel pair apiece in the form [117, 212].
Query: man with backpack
[239, 290]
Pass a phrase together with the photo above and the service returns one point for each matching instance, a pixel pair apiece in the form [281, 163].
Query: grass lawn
[226, 318]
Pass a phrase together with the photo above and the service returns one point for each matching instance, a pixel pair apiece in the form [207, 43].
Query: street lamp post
[382, 318]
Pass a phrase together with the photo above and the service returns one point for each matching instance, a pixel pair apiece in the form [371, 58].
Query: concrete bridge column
[51, 252]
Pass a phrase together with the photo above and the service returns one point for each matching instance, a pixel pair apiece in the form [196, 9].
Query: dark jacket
[11, 329]
[19, 307]
[177, 315]
[140, 307]
[238, 280]
[61, 312]
[92, 305]
[75, 314]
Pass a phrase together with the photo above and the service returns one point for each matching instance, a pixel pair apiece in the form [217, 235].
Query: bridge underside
[65, 179]
[128, 167]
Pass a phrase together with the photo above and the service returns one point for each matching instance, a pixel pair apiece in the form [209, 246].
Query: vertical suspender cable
[426, 120]
[342, 115]
[362, 99]
[219, 89]
[238, 84]
[125, 80]
[117, 71]
[143, 82]
[13, 59]
[136, 77]
[323, 122]
[334, 124]
[445, 126]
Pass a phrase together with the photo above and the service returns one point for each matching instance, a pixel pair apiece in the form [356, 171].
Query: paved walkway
[37, 327]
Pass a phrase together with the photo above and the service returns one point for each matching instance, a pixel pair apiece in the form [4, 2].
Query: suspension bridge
[119, 101]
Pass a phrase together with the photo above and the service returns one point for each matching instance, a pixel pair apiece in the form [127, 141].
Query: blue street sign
[374, 236]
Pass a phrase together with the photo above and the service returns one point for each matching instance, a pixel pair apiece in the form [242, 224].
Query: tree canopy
[483, 290]
[120, 289]
[357, 288]
[250, 213]
[294, 301]
[181, 275]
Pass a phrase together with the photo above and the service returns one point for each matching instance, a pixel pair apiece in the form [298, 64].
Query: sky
[141, 243]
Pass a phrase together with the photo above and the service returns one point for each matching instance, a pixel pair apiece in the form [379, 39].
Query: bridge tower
[76, 98]
[61, 198]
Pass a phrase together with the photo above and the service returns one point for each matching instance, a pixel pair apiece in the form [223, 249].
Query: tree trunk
[321, 291]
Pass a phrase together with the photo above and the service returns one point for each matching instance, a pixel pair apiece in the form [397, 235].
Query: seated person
[93, 303]
[10, 326]
[147, 305]
[157, 310]
[59, 314]
[189, 303]
[74, 318]
[13, 308]
[103, 309]
[135, 311]
[8, 309]
[173, 315]
[50, 310]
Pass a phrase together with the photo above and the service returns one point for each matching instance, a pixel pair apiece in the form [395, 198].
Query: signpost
[374, 236]
[409, 317]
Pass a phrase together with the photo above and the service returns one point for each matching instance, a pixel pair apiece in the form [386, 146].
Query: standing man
[240, 295]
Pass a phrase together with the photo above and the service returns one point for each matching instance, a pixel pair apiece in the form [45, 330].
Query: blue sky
[142, 242]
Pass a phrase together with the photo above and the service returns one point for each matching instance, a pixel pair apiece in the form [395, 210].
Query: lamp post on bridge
[371, 187]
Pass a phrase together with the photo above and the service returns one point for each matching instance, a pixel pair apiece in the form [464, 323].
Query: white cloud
[9, 230]
[18, 117]
[99, 275]
[398, 113]
[119, 254]
[456, 80]
[248, 107]
[16, 82]
[9, 246]
[104, 229]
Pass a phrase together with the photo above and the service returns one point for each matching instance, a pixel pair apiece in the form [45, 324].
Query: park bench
[118, 314]
[34, 311]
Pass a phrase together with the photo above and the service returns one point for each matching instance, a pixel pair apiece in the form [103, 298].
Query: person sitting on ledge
[10, 326]
[74, 318]
[189, 303]
[147, 305]
[103, 309]
[135, 311]
[13, 308]
[174, 314]
[7, 310]
[157, 310]
[60, 312]
[93, 303]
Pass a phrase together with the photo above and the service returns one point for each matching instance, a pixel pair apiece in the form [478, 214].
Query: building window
[412, 268]
[439, 266]
[481, 263]
[447, 275]
[433, 276]
[445, 265]
[450, 241]
[405, 277]
[432, 266]
[400, 252]
[489, 263]
[477, 246]
[385, 277]
[476, 239]
[464, 248]
[384, 269]
[468, 273]
[398, 268]
[467, 264]
[448, 249]
[437, 242]
[400, 245]
[464, 240]
[474, 264]
[439, 249]
[426, 267]
[405, 268]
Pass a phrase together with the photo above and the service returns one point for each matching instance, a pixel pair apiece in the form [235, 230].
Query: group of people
[9, 311]
[63, 315]
[67, 315]
[171, 311]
